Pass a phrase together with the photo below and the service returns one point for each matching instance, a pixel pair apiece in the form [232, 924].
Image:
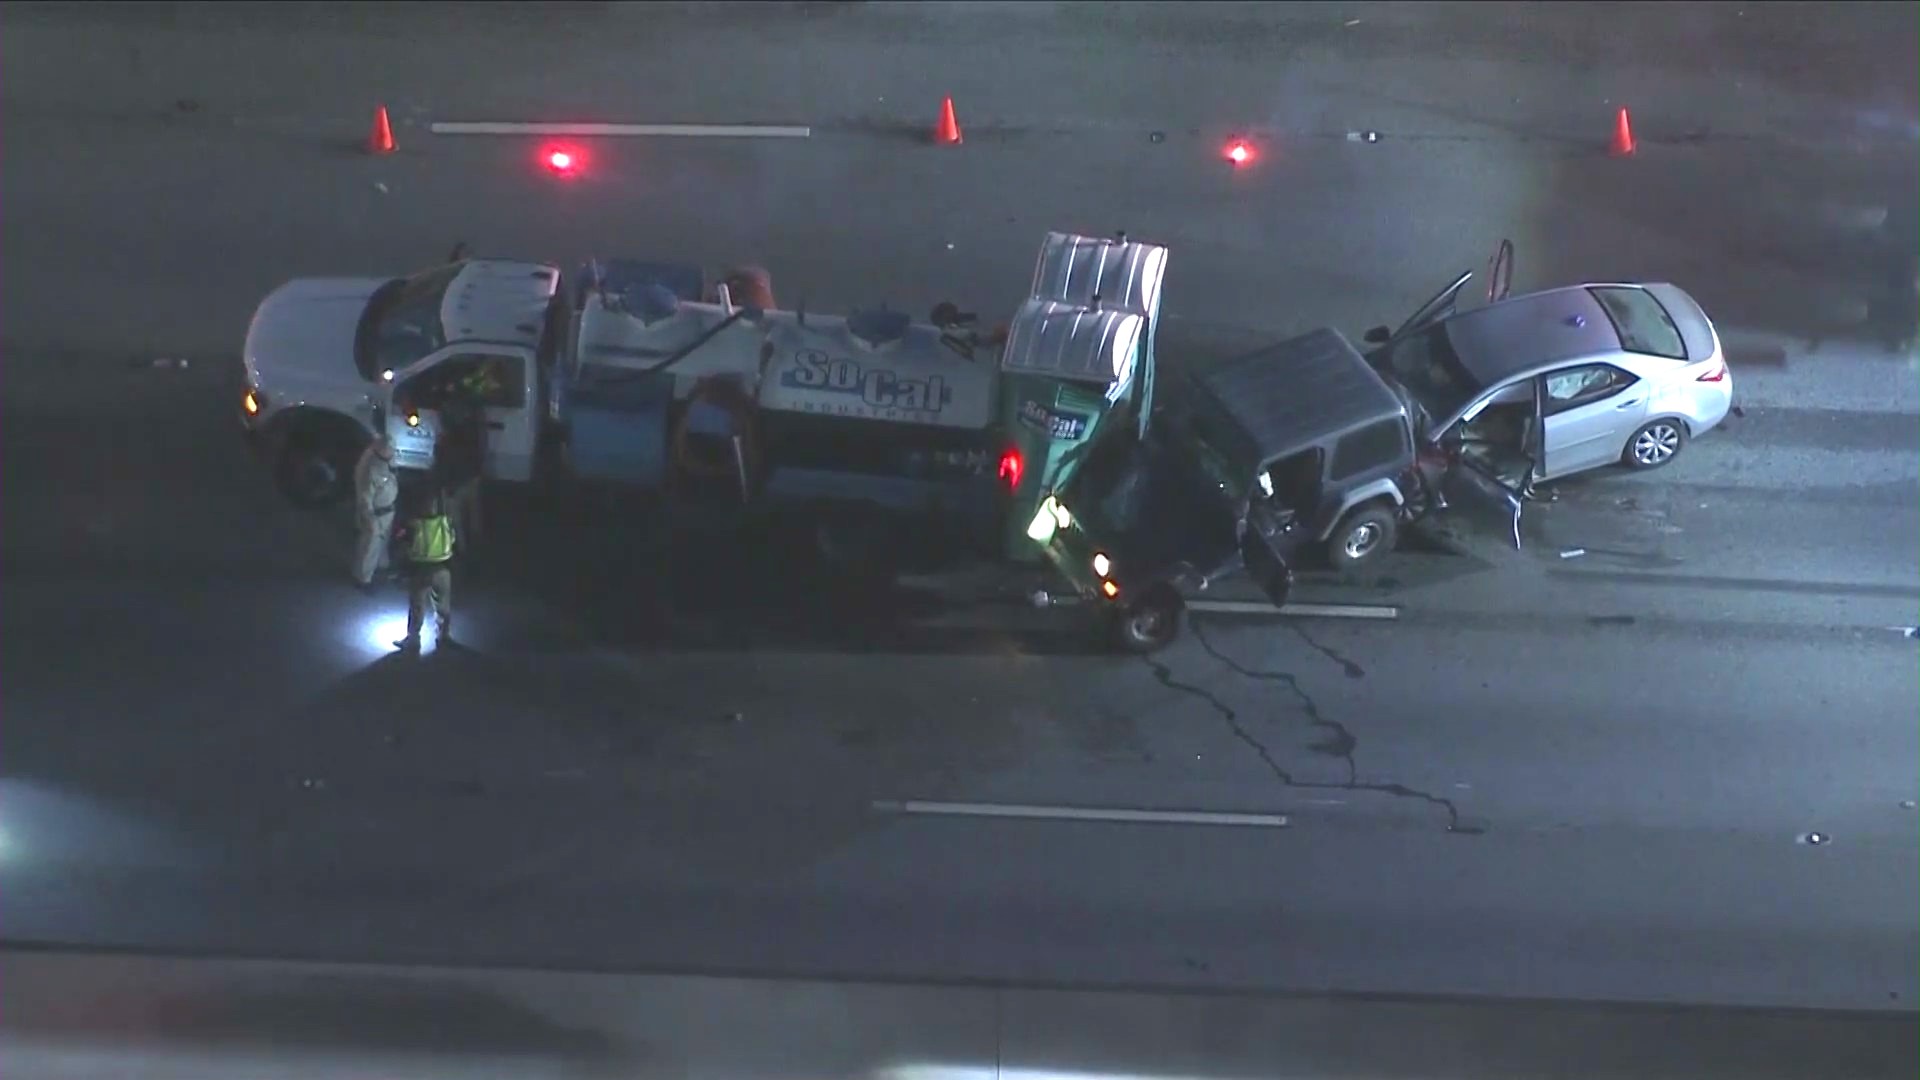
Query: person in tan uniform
[376, 488]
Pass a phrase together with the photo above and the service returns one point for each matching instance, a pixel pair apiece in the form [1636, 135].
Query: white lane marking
[1305, 611]
[1080, 813]
[597, 131]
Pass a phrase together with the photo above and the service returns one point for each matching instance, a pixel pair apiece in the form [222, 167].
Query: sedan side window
[1584, 385]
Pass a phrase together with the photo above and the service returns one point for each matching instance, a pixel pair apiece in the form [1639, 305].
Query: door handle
[1630, 403]
[496, 425]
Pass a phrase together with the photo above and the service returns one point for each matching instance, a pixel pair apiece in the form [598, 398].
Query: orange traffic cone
[947, 131]
[381, 141]
[1622, 145]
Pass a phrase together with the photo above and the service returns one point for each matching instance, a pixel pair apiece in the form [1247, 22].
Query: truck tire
[314, 467]
[1150, 623]
[1363, 539]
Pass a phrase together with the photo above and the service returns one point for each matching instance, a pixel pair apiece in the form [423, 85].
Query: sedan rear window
[1644, 326]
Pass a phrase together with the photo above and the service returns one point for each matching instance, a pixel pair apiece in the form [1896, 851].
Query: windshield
[1426, 365]
[402, 322]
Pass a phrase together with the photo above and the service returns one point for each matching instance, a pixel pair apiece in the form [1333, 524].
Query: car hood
[308, 325]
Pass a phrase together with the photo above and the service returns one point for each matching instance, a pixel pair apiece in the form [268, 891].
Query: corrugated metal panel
[1124, 274]
[1070, 342]
[1091, 302]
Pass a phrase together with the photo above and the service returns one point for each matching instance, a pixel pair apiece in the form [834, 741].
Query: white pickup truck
[324, 357]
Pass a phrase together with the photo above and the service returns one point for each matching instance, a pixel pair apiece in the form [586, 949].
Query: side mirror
[1379, 335]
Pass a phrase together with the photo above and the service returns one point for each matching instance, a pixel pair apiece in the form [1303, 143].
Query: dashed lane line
[1299, 611]
[1120, 815]
[603, 131]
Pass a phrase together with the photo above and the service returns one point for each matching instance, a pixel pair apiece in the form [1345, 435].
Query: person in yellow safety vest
[375, 490]
[430, 543]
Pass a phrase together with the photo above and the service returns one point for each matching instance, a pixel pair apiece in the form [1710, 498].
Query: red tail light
[1010, 467]
[1717, 374]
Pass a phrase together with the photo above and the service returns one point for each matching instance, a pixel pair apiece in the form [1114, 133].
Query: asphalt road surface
[1593, 768]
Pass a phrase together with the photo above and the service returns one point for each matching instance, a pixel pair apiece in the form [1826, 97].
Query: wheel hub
[318, 474]
[1656, 444]
[1362, 540]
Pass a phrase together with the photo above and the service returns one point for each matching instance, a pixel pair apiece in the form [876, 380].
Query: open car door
[1500, 272]
[1444, 303]
[1493, 455]
[1262, 543]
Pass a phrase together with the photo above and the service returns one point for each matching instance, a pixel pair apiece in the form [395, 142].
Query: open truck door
[499, 381]
[1077, 364]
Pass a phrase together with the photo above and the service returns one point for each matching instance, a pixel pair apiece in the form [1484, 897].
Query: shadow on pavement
[615, 571]
[481, 734]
